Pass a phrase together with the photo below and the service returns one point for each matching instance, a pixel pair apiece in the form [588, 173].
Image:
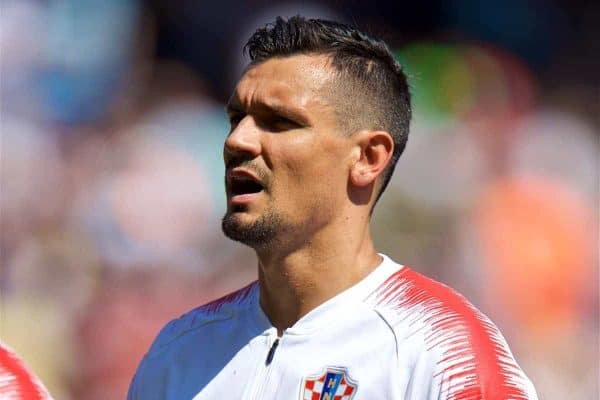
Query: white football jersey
[396, 335]
[17, 382]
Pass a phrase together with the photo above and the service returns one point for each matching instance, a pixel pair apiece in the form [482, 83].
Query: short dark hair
[380, 97]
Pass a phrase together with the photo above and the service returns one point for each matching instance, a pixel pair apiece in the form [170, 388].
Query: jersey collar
[334, 307]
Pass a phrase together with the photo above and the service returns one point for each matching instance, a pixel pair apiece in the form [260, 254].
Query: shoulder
[467, 355]
[196, 330]
[219, 310]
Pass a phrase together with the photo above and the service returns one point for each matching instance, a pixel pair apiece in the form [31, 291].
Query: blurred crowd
[111, 179]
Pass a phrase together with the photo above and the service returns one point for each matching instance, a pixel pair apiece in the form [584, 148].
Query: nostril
[243, 139]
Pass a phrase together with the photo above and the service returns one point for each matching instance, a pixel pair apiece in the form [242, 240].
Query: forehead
[296, 81]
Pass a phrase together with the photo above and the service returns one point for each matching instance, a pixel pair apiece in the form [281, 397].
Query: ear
[376, 148]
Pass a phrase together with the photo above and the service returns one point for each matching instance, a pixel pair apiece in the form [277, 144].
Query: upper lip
[242, 174]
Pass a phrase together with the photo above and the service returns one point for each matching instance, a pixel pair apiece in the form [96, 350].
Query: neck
[293, 283]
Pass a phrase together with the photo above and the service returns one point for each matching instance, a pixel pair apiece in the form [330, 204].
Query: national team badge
[332, 384]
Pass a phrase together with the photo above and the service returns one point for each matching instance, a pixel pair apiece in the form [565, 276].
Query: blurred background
[112, 126]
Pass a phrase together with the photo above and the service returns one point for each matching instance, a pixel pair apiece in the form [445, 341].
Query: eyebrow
[234, 107]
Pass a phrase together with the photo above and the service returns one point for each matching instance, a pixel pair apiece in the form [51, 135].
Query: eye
[280, 123]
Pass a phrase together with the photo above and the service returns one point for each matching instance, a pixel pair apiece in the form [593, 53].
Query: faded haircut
[371, 90]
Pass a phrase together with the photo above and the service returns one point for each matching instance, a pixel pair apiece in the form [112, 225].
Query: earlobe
[376, 148]
[358, 175]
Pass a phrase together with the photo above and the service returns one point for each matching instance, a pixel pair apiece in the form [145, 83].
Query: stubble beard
[260, 234]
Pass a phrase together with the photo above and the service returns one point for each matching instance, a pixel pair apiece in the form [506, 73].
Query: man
[318, 121]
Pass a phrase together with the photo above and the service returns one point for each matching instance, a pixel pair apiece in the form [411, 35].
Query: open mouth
[243, 183]
[239, 186]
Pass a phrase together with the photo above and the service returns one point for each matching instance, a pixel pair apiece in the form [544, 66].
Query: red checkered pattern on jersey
[313, 388]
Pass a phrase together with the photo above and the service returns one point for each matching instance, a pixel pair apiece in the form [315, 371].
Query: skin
[321, 184]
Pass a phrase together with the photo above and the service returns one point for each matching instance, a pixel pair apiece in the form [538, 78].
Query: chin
[256, 232]
[237, 220]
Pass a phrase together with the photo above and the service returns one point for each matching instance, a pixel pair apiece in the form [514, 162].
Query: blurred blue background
[111, 195]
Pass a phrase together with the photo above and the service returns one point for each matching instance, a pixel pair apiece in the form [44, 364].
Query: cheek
[299, 156]
[311, 167]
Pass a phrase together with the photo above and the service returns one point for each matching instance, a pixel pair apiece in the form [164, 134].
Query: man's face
[286, 162]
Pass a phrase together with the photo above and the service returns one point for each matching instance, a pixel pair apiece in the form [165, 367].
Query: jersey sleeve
[459, 353]
[16, 380]
[132, 392]
[477, 365]
[142, 384]
[162, 361]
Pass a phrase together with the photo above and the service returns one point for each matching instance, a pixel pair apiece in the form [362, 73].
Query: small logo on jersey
[332, 384]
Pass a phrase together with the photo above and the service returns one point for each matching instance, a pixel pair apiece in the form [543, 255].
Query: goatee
[259, 234]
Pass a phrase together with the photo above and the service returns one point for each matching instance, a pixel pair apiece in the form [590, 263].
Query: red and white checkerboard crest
[334, 383]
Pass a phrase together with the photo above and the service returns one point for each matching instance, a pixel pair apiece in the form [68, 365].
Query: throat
[284, 298]
[288, 293]
[293, 283]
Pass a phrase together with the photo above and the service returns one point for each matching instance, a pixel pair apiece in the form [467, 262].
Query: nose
[243, 141]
